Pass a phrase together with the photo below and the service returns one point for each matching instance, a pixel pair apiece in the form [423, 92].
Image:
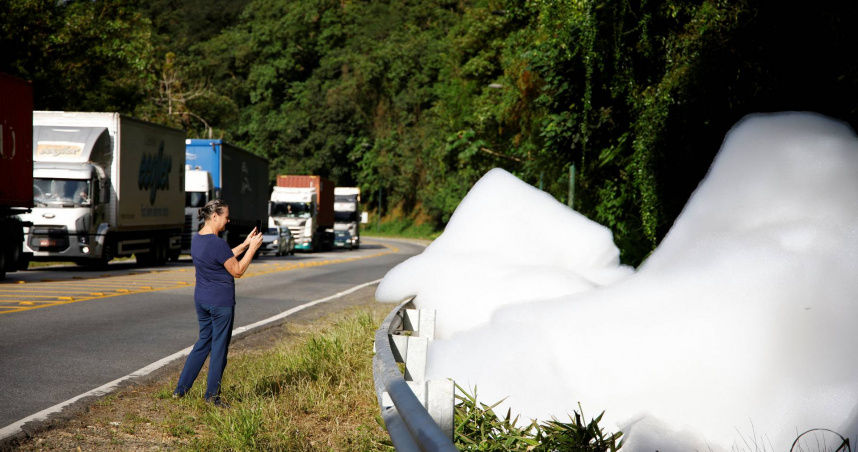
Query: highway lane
[65, 331]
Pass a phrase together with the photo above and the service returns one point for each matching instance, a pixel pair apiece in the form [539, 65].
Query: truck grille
[49, 238]
[187, 233]
[296, 231]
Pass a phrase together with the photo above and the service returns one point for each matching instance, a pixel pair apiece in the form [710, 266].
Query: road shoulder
[101, 423]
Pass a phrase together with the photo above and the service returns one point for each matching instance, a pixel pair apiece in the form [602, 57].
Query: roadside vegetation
[414, 100]
[402, 226]
[311, 391]
[479, 428]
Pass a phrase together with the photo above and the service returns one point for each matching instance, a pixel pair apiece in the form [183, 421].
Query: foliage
[80, 55]
[415, 100]
[401, 227]
[479, 428]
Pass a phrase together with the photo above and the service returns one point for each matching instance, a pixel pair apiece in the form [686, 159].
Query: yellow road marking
[13, 292]
[136, 282]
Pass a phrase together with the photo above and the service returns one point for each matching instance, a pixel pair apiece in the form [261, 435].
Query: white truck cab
[199, 189]
[295, 208]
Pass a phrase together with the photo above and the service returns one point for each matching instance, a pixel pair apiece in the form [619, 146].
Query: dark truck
[237, 176]
[16, 170]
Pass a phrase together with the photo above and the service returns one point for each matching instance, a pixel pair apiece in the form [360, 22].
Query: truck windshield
[344, 217]
[292, 209]
[195, 199]
[61, 192]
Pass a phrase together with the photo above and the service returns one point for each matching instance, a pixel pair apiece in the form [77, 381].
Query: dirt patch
[141, 415]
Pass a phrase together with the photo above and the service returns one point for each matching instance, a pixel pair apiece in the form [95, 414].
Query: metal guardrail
[418, 414]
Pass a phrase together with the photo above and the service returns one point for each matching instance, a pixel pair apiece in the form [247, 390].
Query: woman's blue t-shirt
[215, 286]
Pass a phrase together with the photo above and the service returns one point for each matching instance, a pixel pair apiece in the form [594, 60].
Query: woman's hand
[245, 245]
[250, 237]
[254, 240]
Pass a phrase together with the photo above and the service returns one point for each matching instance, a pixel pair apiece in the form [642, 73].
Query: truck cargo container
[235, 175]
[105, 185]
[347, 213]
[304, 204]
[16, 169]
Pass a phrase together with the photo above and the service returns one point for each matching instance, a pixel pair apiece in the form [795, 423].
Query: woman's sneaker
[216, 401]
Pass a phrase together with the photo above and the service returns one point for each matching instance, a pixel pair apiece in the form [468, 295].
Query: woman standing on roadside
[216, 266]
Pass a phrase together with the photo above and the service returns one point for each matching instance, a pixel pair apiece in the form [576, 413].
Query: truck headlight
[275, 242]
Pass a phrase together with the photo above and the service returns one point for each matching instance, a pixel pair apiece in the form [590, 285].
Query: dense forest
[413, 100]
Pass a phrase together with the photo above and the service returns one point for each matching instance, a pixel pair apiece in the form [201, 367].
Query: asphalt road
[65, 331]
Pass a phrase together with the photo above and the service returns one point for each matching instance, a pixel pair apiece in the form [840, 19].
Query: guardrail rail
[417, 413]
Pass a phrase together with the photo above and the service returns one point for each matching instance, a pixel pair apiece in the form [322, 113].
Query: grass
[401, 227]
[315, 395]
[479, 428]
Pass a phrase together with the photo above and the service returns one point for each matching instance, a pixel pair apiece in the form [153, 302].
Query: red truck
[16, 169]
[304, 204]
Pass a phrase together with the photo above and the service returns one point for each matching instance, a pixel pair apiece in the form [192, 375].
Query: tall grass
[401, 227]
[314, 395]
[479, 428]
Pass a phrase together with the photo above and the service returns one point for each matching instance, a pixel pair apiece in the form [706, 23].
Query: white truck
[105, 185]
[347, 212]
[199, 189]
[304, 204]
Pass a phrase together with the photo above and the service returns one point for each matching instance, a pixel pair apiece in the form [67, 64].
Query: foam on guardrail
[418, 414]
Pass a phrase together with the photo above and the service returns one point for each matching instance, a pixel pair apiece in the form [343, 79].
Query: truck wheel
[160, 253]
[15, 252]
[143, 259]
[106, 255]
[24, 262]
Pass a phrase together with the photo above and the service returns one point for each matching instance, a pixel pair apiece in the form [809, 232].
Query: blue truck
[217, 169]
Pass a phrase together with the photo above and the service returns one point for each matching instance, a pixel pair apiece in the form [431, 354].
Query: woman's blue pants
[215, 334]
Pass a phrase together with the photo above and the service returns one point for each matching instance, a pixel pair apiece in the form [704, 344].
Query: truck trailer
[304, 204]
[16, 170]
[217, 169]
[105, 185]
[347, 212]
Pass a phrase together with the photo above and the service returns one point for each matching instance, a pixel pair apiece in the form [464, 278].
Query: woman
[214, 296]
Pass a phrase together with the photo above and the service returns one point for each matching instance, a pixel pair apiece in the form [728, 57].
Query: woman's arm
[239, 249]
[237, 268]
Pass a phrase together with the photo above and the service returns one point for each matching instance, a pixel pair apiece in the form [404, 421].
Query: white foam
[736, 333]
[504, 233]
